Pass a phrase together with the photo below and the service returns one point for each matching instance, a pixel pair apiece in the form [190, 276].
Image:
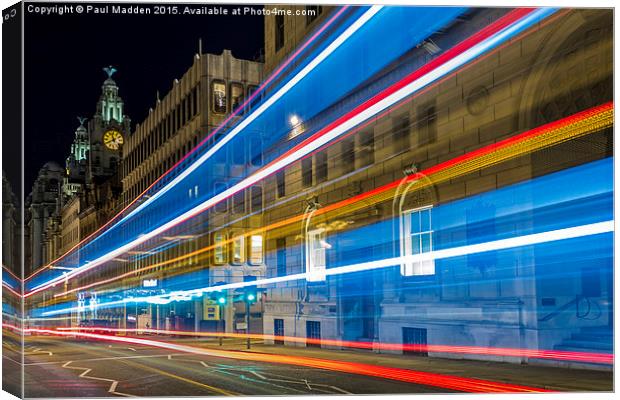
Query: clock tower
[108, 129]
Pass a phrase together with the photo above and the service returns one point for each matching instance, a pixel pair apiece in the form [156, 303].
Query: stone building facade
[42, 204]
[201, 100]
[552, 71]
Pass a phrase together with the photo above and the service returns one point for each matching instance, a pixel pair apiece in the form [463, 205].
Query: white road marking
[303, 381]
[85, 375]
[105, 359]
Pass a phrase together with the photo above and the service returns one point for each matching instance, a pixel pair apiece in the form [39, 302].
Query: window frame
[424, 267]
[238, 242]
[213, 102]
[219, 248]
[315, 272]
[239, 85]
[252, 241]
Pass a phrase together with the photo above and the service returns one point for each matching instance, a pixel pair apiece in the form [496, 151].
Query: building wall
[296, 29]
[169, 132]
[554, 71]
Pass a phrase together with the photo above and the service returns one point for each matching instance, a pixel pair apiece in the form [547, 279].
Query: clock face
[112, 139]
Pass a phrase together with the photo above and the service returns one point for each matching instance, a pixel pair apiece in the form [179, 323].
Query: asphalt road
[66, 367]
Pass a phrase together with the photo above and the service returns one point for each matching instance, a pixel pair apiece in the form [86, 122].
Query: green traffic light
[221, 300]
[251, 297]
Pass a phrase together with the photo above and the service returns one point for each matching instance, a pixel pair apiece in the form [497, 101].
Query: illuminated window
[218, 94]
[256, 249]
[238, 250]
[236, 96]
[219, 253]
[316, 245]
[417, 240]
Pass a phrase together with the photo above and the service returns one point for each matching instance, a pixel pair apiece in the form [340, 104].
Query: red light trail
[598, 358]
[444, 381]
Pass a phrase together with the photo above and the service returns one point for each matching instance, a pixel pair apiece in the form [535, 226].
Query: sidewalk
[552, 378]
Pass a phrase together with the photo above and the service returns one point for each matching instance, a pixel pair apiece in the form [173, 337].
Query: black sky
[64, 57]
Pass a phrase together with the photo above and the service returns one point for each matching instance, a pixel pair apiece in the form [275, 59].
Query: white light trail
[442, 70]
[496, 245]
[227, 138]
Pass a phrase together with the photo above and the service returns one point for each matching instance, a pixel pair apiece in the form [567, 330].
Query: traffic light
[221, 299]
[251, 295]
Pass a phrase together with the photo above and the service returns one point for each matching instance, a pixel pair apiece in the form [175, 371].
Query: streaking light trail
[274, 75]
[404, 375]
[599, 358]
[468, 50]
[552, 133]
[503, 244]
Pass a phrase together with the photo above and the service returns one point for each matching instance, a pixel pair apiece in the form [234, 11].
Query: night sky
[64, 57]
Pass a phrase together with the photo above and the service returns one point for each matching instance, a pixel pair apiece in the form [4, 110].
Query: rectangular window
[238, 151]
[239, 202]
[367, 147]
[279, 33]
[252, 101]
[321, 166]
[257, 198]
[306, 172]
[222, 206]
[218, 97]
[238, 250]
[312, 13]
[256, 152]
[417, 240]
[236, 96]
[219, 252]
[278, 330]
[281, 257]
[280, 184]
[195, 100]
[415, 342]
[348, 155]
[400, 129]
[256, 249]
[315, 255]
[313, 333]
[427, 115]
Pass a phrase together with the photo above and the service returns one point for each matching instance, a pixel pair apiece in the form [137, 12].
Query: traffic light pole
[220, 323]
[247, 322]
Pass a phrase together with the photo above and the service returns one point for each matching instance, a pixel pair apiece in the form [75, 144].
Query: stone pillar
[229, 312]
[158, 318]
[197, 314]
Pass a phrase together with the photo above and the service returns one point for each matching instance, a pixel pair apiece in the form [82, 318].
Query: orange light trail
[579, 124]
[590, 357]
[524, 34]
[206, 139]
[482, 32]
[444, 381]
